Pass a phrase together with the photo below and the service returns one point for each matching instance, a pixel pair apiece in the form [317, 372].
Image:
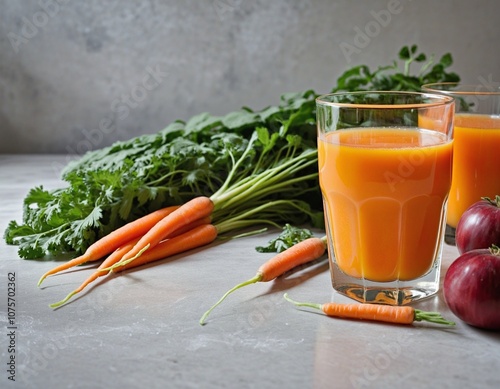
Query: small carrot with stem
[196, 236]
[114, 240]
[375, 312]
[300, 253]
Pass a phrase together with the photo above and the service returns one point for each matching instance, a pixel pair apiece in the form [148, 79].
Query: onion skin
[479, 226]
[471, 288]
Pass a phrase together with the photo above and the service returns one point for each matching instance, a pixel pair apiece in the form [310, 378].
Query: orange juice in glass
[476, 148]
[385, 181]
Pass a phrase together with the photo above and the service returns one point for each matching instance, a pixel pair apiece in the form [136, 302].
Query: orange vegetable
[376, 312]
[196, 237]
[298, 254]
[194, 209]
[114, 240]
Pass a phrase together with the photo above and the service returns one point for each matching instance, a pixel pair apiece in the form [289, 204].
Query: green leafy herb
[287, 238]
[109, 187]
[393, 78]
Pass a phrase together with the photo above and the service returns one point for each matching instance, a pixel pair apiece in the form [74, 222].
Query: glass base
[390, 296]
[392, 293]
[449, 235]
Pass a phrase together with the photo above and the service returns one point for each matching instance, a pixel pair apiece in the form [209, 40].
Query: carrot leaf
[290, 236]
[433, 317]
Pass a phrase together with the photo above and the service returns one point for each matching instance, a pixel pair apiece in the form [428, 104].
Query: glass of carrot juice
[385, 166]
[476, 147]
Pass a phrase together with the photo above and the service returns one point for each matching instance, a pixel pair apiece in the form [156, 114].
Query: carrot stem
[433, 317]
[258, 277]
[299, 304]
[64, 300]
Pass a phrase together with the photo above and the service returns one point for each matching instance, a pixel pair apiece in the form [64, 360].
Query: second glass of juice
[385, 167]
[476, 148]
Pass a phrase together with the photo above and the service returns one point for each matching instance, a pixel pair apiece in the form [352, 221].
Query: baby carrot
[194, 209]
[376, 312]
[191, 226]
[114, 240]
[162, 250]
[298, 254]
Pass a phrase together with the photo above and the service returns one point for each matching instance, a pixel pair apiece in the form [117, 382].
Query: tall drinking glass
[385, 162]
[476, 149]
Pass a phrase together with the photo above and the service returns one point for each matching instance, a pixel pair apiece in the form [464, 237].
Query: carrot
[193, 210]
[197, 237]
[376, 312]
[162, 250]
[114, 240]
[191, 226]
[300, 253]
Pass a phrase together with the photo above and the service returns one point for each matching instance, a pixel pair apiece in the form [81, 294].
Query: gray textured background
[78, 75]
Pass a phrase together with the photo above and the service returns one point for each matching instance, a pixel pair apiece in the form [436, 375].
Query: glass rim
[463, 89]
[440, 100]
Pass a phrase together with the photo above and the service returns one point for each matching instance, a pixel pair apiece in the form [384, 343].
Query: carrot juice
[385, 191]
[476, 164]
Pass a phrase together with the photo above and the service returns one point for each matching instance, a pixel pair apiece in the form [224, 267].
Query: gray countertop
[140, 328]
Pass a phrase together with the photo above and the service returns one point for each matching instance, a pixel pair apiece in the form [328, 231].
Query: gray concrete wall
[78, 75]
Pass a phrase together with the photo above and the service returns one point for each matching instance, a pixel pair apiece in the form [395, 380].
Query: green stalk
[227, 196]
[426, 66]
[235, 167]
[233, 225]
[164, 177]
[278, 207]
[267, 190]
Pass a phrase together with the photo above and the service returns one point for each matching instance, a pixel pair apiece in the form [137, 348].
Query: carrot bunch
[161, 234]
[249, 196]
